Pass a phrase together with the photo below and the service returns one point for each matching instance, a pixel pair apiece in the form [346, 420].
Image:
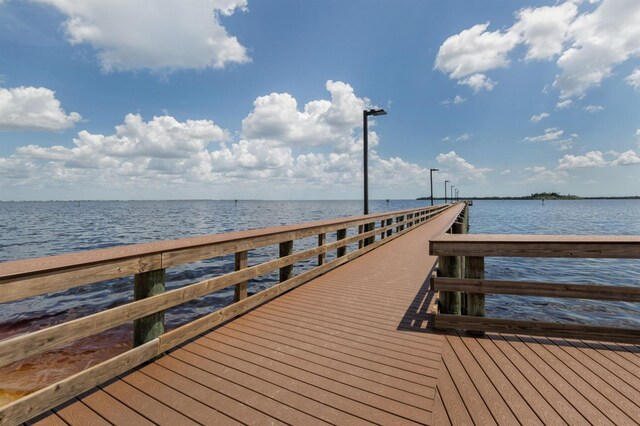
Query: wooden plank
[576, 246]
[321, 242]
[148, 284]
[53, 395]
[113, 410]
[47, 419]
[537, 328]
[50, 281]
[456, 410]
[286, 249]
[440, 417]
[75, 412]
[533, 288]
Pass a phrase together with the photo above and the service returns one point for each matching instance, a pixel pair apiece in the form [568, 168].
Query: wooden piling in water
[286, 249]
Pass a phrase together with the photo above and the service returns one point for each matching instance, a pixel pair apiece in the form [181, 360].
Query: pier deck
[352, 347]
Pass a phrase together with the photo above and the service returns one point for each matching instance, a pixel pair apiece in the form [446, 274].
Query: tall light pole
[431, 181]
[445, 190]
[365, 148]
[451, 188]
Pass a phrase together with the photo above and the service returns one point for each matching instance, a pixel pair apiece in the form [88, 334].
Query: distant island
[542, 196]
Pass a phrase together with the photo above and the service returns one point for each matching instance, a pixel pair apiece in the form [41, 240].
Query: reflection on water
[33, 229]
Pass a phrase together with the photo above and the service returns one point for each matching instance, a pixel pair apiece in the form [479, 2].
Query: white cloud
[564, 104]
[638, 136]
[593, 108]
[540, 174]
[626, 159]
[463, 137]
[478, 82]
[33, 108]
[145, 34]
[458, 99]
[446, 138]
[588, 45]
[590, 159]
[460, 169]
[505, 172]
[550, 134]
[633, 79]
[474, 50]
[333, 123]
[539, 117]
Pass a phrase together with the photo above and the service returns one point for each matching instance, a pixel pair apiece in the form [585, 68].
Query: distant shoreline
[572, 197]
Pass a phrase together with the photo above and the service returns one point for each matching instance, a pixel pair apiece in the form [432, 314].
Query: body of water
[34, 229]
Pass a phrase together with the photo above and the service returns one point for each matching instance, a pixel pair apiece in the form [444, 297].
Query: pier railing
[462, 287]
[148, 263]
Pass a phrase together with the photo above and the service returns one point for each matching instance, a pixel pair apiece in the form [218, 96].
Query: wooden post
[372, 239]
[450, 301]
[398, 220]
[382, 234]
[390, 230]
[145, 285]
[360, 242]
[240, 292]
[321, 256]
[474, 268]
[341, 234]
[286, 249]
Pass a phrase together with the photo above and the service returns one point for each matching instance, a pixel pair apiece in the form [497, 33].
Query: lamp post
[445, 190]
[431, 182]
[365, 148]
[451, 188]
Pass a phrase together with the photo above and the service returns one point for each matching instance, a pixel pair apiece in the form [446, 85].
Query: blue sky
[263, 99]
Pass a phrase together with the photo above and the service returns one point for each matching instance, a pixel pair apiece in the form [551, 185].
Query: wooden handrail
[508, 245]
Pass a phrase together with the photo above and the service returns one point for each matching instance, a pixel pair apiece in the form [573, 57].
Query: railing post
[390, 230]
[145, 285]
[360, 242]
[341, 234]
[474, 268]
[286, 249]
[369, 227]
[382, 234]
[240, 291]
[321, 256]
[451, 266]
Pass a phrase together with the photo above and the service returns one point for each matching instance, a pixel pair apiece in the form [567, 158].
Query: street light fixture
[431, 181]
[445, 190]
[365, 148]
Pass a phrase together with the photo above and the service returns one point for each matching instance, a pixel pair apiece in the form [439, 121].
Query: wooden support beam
[341, 234]
[145, 285]
[240, 290]
[390, 230]
[286, 249]
[474, 302]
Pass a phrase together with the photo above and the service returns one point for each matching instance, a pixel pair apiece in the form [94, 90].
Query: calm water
[33, 229]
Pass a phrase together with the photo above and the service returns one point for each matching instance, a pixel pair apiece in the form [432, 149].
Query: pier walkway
[353, 347]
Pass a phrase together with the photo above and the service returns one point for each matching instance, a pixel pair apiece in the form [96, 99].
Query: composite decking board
[611, 362]
[331, 359]
[490, 396]
[453, 406]
[364, 351]
[231, 347]
[325, 333]
[589, 390]
[564, 387]
[556, 399]
[237, 385]
[210, 397]
[47, 419]
[521, 389]
[282, 391]
[440, 417]
[610, 386]
[262, 367]
[75, 412]
[182, 403]
[112, 410]
[629, 361]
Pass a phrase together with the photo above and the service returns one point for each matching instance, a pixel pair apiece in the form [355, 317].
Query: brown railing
[148, 262]
[462, 285]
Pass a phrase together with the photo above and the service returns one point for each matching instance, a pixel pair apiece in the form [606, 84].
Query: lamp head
[372, 111]
[435, 170]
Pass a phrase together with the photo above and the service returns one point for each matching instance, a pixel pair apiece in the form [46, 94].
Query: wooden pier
[354, 345]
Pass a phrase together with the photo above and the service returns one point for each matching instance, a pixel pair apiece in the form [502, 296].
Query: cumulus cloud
[478, 82]
[633, 79]
[564, 104]
[627, 158]
[461, 169]
[638, 136]
[588, 160]
[456, 101]
[33, 108]
[147, 34]
[463, 137]
[539, 117]
[587, 45]
[279, 142]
